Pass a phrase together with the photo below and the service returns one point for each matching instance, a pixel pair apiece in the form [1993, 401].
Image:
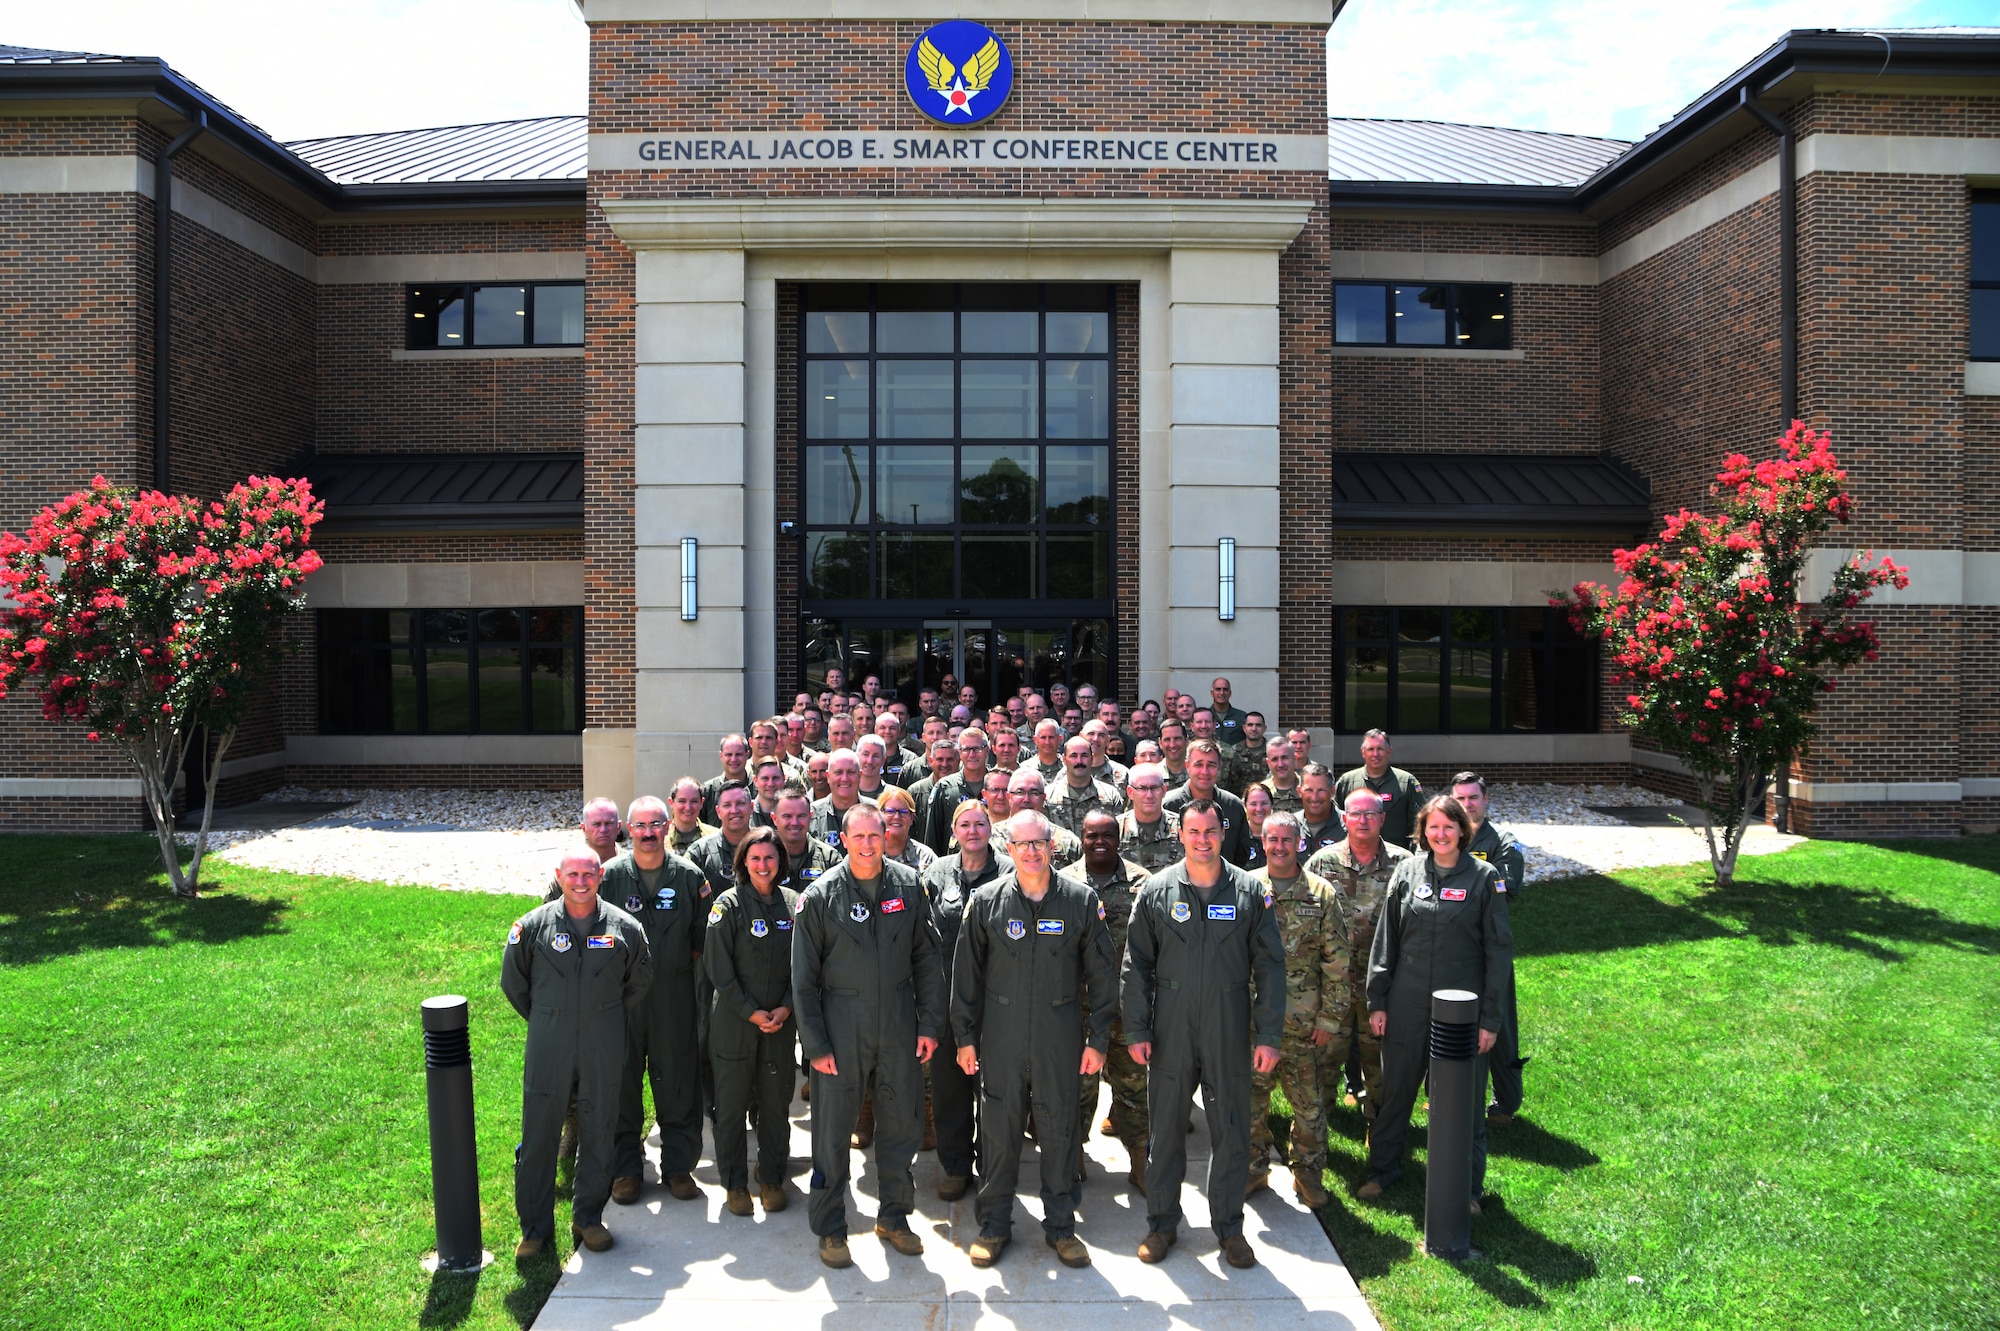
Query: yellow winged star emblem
[958, 86]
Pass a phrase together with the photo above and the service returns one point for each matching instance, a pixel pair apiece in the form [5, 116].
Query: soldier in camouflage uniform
[1318, 997]
[1078, 792]
[1047, 758]
[1280, 781]
[1117, 883]
[1148, 835]
[684, 803]
[1359, 869]
[1243, 762]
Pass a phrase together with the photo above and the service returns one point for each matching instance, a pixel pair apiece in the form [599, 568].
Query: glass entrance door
[962, 649]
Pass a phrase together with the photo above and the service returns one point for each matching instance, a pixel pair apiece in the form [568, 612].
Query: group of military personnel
[1204, 919]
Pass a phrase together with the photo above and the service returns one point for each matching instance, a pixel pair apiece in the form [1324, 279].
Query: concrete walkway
[687, 1265]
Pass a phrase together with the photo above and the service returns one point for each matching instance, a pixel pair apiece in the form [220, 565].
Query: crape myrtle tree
[1722, 665]
[149, 618]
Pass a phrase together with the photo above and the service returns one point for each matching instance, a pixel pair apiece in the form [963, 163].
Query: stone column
[690, 467]
[1223, 471]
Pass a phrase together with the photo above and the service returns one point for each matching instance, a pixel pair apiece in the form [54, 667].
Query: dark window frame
[1982, 199]
[1036, 606]
[1452, 340]
[373, 640]
[414, 290]
[1556, 637]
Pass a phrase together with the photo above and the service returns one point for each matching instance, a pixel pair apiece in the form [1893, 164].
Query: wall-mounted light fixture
[1225, 578]
[690, 578]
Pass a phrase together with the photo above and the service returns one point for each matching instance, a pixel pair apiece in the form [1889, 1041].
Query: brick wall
[608, 478]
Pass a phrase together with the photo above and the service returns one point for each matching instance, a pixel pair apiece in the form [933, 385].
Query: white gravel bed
[507, 840]
[1562, 837]
[470, 840]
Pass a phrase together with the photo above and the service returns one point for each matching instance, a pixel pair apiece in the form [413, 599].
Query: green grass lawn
[1777, 1105]
[1772, 1105]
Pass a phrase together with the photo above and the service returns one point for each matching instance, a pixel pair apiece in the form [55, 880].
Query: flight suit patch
[1478, 854]
[1220, 912]
[1100, 910]
[666, 898]
[757, 927]
[599, 942]
[1048, 926]
[1500, 885]
[635, 904]
[514, 934]
[951, 892]
[1016, 929]
[715, 914]
[1423, 891]
[560, 942]
[893, 906]
[1451, 894]
[859, 914]
[1181, 913]
[784, 926]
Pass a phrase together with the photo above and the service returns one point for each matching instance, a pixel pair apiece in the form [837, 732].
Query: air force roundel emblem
[959, 73]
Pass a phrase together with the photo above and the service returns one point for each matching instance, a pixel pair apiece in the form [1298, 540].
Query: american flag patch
[598, 942]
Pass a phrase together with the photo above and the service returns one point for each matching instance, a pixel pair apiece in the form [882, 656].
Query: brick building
[796, 352]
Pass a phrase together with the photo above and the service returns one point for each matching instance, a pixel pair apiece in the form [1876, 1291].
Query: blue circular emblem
[1016, 929]
[959, 73]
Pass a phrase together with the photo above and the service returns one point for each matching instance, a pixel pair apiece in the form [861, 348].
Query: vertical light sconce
[1225, 578]
[690, 579]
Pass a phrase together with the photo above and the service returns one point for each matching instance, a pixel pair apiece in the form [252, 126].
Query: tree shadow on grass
[1599, 914]
[63, 895]
[1862, 920]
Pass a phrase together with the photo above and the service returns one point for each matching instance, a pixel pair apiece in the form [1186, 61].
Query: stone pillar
[692, 477]
[1223, 471]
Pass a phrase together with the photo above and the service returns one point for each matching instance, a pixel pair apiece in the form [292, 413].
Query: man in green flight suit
[576, 969]
[1117, 882]
[1030, 943]
[1497, 846]
[1399, 791]
[866, 978]
[1204, 980]
[669, 898]
[1314, 928]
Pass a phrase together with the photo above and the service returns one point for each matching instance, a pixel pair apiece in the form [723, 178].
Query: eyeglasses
[656, 825]
[1041, 842]
[1145, 790]
[1365, 813]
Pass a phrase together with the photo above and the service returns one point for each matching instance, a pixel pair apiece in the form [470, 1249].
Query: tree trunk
[211, 774]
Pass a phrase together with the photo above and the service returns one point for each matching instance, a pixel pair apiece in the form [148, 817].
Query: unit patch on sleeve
[514, 934]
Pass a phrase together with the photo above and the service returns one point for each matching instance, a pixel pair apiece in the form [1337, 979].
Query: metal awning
[1488, 492]
[456, 492]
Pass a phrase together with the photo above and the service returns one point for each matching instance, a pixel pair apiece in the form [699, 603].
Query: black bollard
[1447, 1196]
[454, 1155]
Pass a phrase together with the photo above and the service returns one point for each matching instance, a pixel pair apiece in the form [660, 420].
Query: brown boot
[738, 1202]
[903, 1240]
[625, 1189]
[986, 1250]
[772, 1195]
[1107, 1128]
[953, 1186]
[1153, 1248]
[1236, 1251]
[833, 1250]
[683, 1187]
[1305, 1182]
[529, 1247]
[1369, 1191]
[1070, 1250]
[929, 1143]
[864, 1127]
[594, 1237]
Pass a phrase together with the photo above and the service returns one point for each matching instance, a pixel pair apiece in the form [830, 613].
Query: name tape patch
[1451, 894]
[598, 942]
[893, 906]
[1221, 912]
[1048, 926]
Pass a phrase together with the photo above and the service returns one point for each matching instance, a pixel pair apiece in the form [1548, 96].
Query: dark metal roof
[449, 491]
[37, 55]
[548, 148]
[1492, 492]
[1437, 153]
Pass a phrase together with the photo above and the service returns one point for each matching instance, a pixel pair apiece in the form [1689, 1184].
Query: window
[451, 316]
[957, 446]
[1985, 302]
[451, 672]
[1463, 671]
[1413, 314]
